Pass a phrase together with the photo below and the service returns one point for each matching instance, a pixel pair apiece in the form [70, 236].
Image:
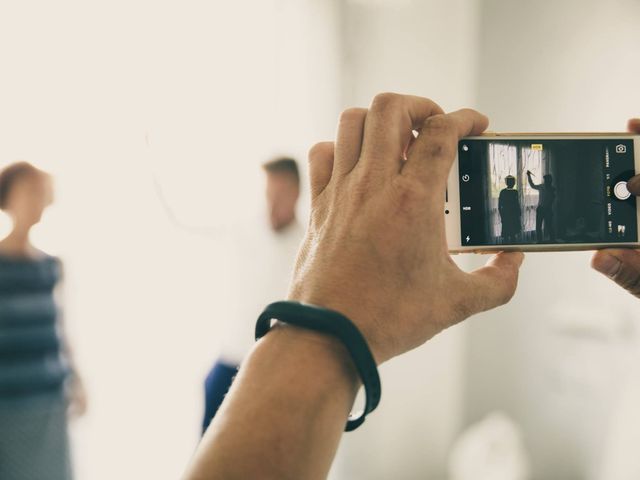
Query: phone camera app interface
[520, 192]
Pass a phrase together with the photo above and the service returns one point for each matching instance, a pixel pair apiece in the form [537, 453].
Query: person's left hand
[622, 265]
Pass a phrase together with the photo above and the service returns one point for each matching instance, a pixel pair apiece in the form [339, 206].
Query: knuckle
[386, 100]
[439, 123]
[441, 136]
[320, 149]
[352, 114]
[469, 111]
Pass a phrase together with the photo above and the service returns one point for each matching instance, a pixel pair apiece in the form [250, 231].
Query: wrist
[323, 353]
[365, 320]
[333, 323]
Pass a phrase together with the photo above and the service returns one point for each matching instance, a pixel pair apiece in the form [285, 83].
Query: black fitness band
[329, 321]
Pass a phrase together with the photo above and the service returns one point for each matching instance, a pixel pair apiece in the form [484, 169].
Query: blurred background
[154, 118]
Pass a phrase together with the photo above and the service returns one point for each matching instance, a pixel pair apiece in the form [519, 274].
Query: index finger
[388, 129]
[431, 156]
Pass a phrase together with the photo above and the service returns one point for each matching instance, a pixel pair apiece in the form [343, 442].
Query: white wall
[557, 357]
[215, 87]
[426, 48]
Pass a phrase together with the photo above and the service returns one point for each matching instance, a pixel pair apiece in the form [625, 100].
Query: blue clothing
[34, 442]
[216, 387]
[30, 355]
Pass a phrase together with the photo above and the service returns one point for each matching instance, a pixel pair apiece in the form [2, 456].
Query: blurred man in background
[267, 251]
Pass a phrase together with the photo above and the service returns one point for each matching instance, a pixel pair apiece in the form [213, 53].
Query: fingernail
[607, 264]
[633, 185]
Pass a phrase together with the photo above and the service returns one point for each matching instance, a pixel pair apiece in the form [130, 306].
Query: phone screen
[546, 191]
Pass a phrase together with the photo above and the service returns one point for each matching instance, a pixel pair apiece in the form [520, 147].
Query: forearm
[285, 413]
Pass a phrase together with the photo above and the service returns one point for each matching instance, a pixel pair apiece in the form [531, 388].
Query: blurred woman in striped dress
[38, 383]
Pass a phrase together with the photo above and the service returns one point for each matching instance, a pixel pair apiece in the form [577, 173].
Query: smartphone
[542, 192]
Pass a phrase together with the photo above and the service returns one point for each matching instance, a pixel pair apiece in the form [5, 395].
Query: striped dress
[33, 425]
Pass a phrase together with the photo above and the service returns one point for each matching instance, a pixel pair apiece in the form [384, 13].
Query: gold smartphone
[542, 192]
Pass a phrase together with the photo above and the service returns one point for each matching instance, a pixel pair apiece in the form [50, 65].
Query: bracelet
[331, 322]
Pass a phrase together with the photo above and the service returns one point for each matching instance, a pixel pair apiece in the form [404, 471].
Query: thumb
[620, 265]
[495, 283]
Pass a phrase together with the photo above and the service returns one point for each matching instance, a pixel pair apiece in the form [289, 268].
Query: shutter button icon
[620, 191]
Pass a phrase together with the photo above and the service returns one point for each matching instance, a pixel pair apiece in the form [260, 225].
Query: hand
[376, 249]
[77, 397]
[619, 264]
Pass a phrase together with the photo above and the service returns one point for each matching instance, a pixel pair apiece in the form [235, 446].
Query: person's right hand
[376, 249]
[620, 264]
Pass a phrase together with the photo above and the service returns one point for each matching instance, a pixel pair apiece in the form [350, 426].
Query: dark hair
[510, 180]
[283, 165]
[10, 175]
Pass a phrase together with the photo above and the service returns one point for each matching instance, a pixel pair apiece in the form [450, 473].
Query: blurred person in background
[268, 248]
[39, 386]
